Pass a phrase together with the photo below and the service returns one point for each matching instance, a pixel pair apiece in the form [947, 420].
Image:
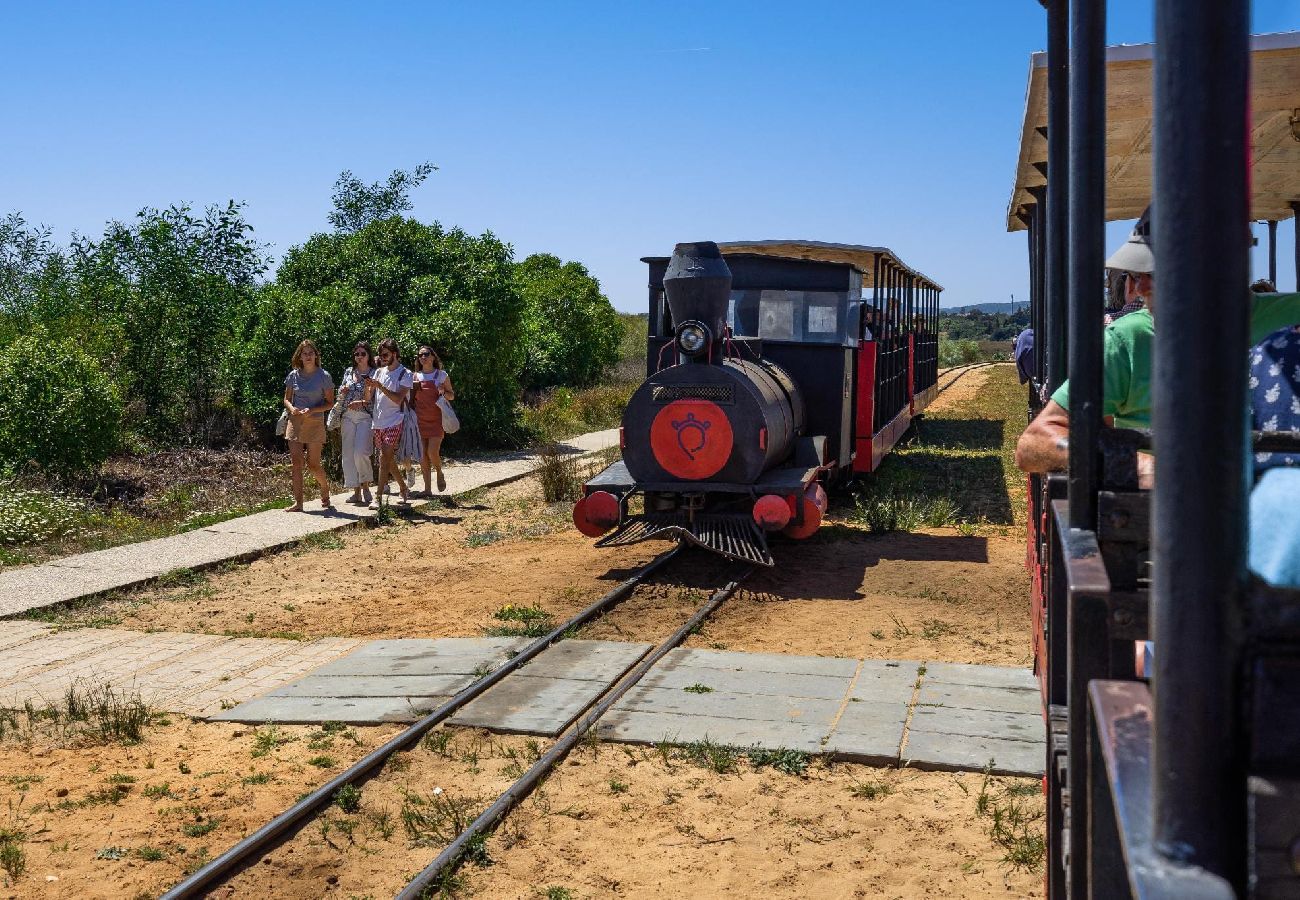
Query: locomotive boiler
[772, 368]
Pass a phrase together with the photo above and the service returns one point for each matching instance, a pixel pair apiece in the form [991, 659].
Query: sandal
[442, 483]
[296, 507]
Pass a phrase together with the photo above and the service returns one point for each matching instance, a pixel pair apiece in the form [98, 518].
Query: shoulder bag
[450, 421]
[334, 421]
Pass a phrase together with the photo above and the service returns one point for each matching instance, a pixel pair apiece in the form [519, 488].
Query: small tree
[571, 332]
[357, 204]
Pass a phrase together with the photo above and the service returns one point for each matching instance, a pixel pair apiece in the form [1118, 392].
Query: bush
[958, 353]
[572, 334]
[59, 412]
[29, 516]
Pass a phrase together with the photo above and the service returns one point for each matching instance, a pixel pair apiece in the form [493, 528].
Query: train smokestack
[698, 286]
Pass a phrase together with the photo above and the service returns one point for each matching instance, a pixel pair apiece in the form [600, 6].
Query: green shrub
[572, 334]
[59, 412]
[959, 352]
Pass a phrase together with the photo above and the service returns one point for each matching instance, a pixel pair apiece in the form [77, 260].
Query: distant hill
[983, 307]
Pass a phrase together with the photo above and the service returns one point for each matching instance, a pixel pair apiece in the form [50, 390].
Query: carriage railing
[926, 365]
[892, 379]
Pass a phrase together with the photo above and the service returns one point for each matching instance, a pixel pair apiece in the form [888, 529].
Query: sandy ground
[624, 822]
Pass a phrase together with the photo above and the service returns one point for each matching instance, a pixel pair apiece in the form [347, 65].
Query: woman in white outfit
[357, 444]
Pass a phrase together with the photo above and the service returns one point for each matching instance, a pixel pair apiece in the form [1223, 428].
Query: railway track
[291, 821]
[284, 826]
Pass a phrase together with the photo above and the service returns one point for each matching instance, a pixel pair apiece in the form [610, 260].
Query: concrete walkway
[87, 574]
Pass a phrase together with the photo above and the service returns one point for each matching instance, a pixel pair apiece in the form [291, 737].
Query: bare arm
[447, 390]
[1045, 444]
[288, 401]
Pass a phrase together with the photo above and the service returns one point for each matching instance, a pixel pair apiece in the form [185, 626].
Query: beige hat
[1137, 254]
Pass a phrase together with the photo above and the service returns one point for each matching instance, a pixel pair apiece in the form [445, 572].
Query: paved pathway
[86, 574]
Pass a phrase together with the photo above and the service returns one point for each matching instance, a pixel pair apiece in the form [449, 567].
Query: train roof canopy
[860, 256]
[1275, 130]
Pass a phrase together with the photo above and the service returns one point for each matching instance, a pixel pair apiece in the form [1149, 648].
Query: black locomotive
[776, 383]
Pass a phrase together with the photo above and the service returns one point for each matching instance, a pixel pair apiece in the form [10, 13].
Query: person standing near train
[308, 395]
[431, 383]
[355, 427]
[388, 389]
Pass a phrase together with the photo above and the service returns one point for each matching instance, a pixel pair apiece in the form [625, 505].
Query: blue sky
[599, 132]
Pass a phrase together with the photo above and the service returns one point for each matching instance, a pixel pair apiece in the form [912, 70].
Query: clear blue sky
[600, 132]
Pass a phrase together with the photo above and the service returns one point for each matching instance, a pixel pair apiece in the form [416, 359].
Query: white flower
[1271, 395]
[1254, 382]
[437, 791]
[1270, 424]
[1275, 369]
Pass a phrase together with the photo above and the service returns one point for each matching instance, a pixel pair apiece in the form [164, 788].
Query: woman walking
[308, 395]
[357, 443]
[431, 383]
[388, 389]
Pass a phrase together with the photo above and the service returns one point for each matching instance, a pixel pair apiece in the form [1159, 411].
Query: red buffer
[772, 512]
[596, 513]
[813, 503]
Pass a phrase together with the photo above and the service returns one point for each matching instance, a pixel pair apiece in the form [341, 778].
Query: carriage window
[823, 315]
[779, 316]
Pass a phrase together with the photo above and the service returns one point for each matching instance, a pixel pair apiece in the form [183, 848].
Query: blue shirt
[1275, 391]
[1024, 354]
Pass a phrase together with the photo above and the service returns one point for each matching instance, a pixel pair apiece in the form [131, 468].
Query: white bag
[450, 421]
[282, 424]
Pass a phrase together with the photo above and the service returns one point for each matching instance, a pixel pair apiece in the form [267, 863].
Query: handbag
[334, 421]
[450, 421]
[282, 423]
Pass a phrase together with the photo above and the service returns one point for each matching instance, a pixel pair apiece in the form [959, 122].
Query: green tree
[171, 284]
[571, 331]
[419, 284]
[59, 411]
[357, 204]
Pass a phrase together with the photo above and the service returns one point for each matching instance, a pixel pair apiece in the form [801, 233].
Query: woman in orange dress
[431, 383]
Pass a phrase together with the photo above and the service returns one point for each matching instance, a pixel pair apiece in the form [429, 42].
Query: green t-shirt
[1126, 357]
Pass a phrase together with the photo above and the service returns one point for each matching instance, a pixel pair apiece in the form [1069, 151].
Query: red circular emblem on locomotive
[691, 439]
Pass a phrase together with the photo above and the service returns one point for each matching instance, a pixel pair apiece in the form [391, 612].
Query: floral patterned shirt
[1275, 391]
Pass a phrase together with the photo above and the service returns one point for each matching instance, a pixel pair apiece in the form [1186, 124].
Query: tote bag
[450, 421]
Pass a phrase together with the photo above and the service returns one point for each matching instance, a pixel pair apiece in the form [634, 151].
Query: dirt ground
[636, 822]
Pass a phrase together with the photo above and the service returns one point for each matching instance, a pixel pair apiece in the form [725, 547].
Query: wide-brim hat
[1138, 252]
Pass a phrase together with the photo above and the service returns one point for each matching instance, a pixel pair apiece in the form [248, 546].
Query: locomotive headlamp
[692, 338]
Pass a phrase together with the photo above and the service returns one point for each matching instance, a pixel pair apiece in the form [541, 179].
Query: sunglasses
[424, 353]
[359, 355]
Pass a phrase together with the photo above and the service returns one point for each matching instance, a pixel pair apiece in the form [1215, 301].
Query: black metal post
[1295, 220]
[1272, 251]
[1087, 250]
[1052, 345]
[1201, 235]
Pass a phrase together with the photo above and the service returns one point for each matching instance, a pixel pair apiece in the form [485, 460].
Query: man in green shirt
[1126, 360]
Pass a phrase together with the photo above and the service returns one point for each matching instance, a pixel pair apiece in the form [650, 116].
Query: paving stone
[352, 710]
[978, 723]
[987, 676]
[586, 660]
[730, 705]
[760, 662]
[638, 727]
[374, 686]
[447, 656]
[869, 732]
[966, 696]
[531, 705]
[33, 656]
[949, 753]
[14, 633]
[885, 681]
[777, 684]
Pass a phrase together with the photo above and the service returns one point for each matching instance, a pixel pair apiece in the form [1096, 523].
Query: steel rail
[291, 820]
[965, 369]
[453, 854]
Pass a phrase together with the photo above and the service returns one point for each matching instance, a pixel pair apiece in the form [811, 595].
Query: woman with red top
[431, 383]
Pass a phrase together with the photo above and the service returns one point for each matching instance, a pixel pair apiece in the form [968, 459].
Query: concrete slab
[14, 633]
[306, 710]
[549, 693]
[824, 687]
[985, 676]
[59, 647]
[375, 686]
[530, 705]
[448, 656]
[885, 681]
[760, 662]
[638, 727]
[730, 705]
[946, 753]
[602, 661]
[868, 732]
[206, 695]
[978, 723]
[966, 696]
